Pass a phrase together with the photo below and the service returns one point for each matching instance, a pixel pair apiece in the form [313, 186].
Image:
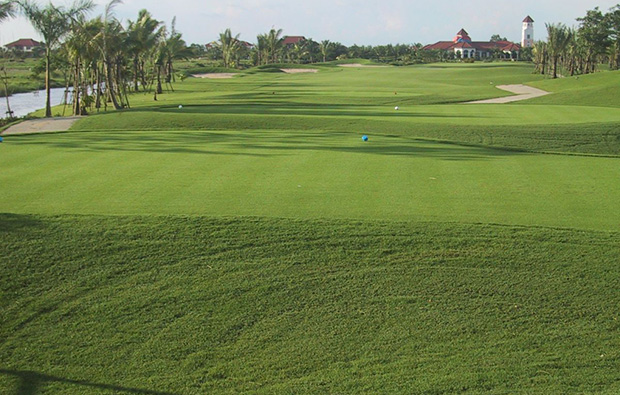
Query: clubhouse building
[462, 46]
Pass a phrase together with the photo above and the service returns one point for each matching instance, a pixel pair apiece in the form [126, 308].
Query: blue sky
[350, 22]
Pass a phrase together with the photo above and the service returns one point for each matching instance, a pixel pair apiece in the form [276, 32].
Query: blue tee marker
[364, 138]
[1, 139]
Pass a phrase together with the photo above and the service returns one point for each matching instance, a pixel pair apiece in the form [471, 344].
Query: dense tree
[497, 37]
[53, 23]
[613, 23]
[594, 31]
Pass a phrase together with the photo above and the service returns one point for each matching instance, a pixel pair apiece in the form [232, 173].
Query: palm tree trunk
[135, 74]
[110, 86]
[48, 106]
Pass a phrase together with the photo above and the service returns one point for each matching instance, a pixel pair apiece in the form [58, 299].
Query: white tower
[527, 38]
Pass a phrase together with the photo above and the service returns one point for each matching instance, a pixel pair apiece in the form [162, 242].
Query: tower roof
[528, 19]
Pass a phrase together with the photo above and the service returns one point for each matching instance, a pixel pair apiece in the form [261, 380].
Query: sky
[371, 22]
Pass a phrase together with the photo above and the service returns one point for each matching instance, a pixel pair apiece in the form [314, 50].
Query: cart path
[523, 92]
[41, 126]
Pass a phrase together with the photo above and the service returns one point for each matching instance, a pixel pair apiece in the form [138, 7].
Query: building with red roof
[291, 40]
[24, 44]
[463, 47]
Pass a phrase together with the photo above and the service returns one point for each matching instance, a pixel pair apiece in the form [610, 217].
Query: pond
[25, 103]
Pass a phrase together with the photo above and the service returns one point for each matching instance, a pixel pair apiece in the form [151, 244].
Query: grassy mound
[195, 305]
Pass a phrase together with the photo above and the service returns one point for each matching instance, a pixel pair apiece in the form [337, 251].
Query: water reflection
[25, 103]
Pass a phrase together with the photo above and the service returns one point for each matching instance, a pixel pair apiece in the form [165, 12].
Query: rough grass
[193, 305]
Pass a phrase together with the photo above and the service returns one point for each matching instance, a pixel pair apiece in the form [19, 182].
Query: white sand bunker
[360, 65]
[41, 126]
[214, 75]
[297, 71]
[523, 92]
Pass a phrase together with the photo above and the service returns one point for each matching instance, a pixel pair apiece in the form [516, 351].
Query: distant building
[463, 47]
[24, 45]
[292, 40]
[527, 38]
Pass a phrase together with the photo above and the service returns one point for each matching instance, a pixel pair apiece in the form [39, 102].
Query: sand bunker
[41, 126]
[523, 92]
[296, 71]
[360, 65]
[215, 75]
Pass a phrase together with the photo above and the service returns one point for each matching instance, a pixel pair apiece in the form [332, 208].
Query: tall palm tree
[142, 38]
[262, 49]
[558, 38]
[274, 43]
[230, 46]
[6, 10]
[53, 24]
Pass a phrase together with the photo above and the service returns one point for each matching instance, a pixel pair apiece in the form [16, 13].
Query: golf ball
[396, 108]
[180, 106]
[364, 138]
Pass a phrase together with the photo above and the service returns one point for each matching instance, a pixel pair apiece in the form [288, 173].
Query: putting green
[304, 174]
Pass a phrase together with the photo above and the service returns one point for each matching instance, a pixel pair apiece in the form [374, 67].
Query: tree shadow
[18, 222]
[30, 383]
[265, 144]
[288, 108]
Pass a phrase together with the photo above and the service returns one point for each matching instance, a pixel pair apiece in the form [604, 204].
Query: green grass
[200, 305]
[306, 175]
[337, 100]
[20, 79]
[251, 242]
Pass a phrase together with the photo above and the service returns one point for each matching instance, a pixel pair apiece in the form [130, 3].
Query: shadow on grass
[305, 109]
[18, 222]
[30, 383]
[264, 144]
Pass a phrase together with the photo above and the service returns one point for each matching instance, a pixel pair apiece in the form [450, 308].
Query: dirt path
[41, 126]
[523, 92]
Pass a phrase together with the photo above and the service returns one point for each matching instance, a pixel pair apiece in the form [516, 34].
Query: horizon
[340, 20]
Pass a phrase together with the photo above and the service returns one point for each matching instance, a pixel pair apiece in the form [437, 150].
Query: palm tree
[53, 24]
[325, 47]
[262, 49]
[274, 43]
[7, 10]
[540, 56]
[558, 38]
[230, 47]
[142, 37]
[174, 48]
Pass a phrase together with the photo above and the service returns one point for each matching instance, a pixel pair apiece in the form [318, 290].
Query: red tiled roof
[293, 39]
[24, 42]
[463, 44]
[528, 19]
[478, 45]
[444, 45]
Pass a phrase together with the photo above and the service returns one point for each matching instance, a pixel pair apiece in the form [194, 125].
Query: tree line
[580, 50]
[100, 57]
[271, 48]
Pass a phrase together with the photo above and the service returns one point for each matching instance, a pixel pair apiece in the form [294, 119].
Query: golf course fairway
[239, 236]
